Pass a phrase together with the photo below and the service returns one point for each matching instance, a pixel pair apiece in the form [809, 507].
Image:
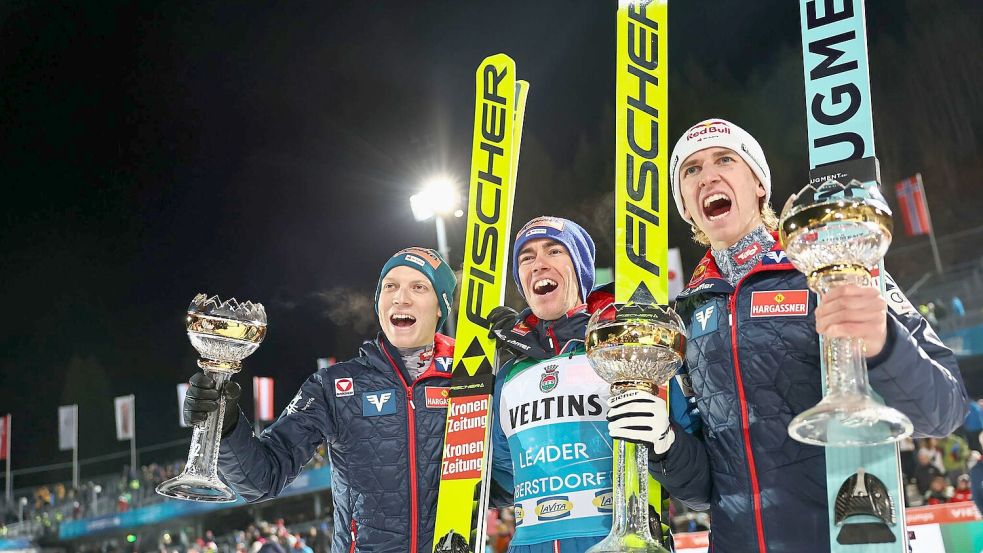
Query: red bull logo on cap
[715, 127]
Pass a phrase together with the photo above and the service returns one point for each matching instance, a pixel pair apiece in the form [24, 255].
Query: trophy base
[628, 543]
[192, 488]
[849, 421]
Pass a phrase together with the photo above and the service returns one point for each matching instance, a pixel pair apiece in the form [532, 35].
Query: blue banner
[311, 480]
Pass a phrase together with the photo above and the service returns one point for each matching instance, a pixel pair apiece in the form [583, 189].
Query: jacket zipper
[554, 343]
[745, 422]
[411, 427]
[352, 548]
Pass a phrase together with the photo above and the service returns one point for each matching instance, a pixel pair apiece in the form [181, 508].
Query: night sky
[267, 151]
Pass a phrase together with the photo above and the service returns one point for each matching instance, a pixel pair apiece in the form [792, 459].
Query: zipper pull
[730, 319]
[409, 395]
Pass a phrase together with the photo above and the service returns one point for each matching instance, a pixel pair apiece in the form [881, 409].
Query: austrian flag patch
[780, 303]
[344, 387]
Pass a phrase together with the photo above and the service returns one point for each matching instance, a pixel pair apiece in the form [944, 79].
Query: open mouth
[716, 206]
[544, 286]
[402, 320]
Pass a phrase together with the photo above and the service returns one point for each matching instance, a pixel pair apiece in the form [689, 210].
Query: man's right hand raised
[501, 320]
[202, 399]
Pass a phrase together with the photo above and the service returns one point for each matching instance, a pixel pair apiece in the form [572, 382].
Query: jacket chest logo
[704, 320]
[443, 364]
[381, 402]
[549, 379]
[780, 303]
[344, 387]
[437, 397]
[774, 258]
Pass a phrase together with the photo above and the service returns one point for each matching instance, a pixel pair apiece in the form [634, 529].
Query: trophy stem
[630, 524]
[630, 531]
[847, 416]
[200, 481]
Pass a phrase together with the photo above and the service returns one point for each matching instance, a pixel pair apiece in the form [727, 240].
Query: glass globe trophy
[633, 347]
[836, 234]
[224, 334]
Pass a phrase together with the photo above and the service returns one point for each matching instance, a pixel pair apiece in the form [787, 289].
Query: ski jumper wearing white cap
[752, 357]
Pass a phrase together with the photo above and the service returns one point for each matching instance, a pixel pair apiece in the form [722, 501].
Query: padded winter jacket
[384, 437]
[753, 362]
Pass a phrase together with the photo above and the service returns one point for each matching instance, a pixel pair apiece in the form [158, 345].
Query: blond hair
[768, 217]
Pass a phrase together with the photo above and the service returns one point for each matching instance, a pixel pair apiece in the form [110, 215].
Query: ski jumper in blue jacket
[384, 429]
[753, 358]
[550, 438]
[551, 446]
[753, 368]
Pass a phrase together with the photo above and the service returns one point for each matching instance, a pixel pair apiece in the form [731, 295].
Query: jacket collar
[541, 339]
[380, 351]
[707, 278]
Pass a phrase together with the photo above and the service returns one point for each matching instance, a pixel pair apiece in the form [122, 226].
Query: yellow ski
[641, 166]
[463, 495]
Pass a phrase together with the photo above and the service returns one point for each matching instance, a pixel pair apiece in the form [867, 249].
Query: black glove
[202, 399]
[501, 320]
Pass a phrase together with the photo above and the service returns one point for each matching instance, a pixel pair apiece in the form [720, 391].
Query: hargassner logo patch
[381, 402]
[780, 303]
[437, 398]
[344, 387]
[553, 508]
[704, 320]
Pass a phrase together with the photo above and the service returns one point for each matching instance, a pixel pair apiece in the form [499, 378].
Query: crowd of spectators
[935, 471]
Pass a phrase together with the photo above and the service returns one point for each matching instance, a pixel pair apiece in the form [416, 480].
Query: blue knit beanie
[579, 245]
[434, 267]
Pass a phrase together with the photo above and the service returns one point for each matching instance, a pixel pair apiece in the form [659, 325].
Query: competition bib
[553, 414]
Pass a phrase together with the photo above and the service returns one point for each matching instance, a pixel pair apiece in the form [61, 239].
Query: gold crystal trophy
[836, 234]
[633, 347]
[224, 334]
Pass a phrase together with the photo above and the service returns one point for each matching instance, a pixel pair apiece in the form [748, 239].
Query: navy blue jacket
[753, 361]
[384, 439]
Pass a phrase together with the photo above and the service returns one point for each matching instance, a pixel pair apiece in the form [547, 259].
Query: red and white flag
[914, 206]
[125, 417]
[5, 437]
[68, 427]
[675, 273]
[182, 390]
[263, 398]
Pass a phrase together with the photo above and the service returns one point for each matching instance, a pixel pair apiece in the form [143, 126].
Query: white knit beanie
[717, 133]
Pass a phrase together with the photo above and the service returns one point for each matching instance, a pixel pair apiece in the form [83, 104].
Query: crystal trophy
[224, 333]
[836, 234]
[633, 347]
